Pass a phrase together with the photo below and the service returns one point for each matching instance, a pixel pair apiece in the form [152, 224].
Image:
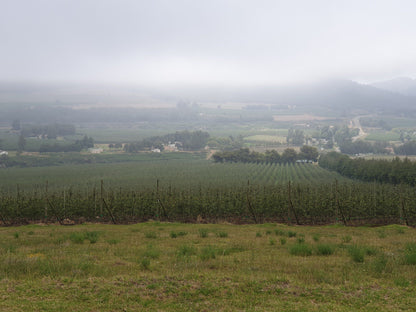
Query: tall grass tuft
[92, 236]
[203, 233]
[77, 237]
[291, 234]
[379, 264]
[325, 249]
[151, 252]
[150, 235]
[207, 252]
[186, 251]
[410, 254]
[346, 239]
[356, 253]
[222, 234]
[279, 232]
[145, 263]
[300, 250]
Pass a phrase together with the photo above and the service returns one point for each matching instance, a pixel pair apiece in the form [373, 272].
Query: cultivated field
[195, 267]
[180, 170]
[186, 190]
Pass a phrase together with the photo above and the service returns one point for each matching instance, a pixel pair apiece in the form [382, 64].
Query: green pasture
[384, 136]
[207, 267]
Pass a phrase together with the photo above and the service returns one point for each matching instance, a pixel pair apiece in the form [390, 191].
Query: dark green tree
[21, 143]
[289, 155]
[295, 137]
[309, 153]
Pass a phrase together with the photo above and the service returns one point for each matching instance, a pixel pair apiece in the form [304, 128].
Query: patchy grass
[203, 233]
[325, 249]
[300, 249]
[124, 267]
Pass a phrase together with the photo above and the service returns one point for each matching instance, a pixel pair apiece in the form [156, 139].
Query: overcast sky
[206, 41]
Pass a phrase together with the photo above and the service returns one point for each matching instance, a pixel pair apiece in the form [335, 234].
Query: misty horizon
[217, 43]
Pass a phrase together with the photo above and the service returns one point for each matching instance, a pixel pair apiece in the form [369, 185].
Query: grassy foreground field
[198, 267]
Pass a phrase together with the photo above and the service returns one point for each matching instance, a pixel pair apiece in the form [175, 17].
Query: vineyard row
[347, 203]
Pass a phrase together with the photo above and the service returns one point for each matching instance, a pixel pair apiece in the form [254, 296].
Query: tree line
[362, 147]
[408, 148]
[86, 142]
[183, 140]
[289, 155]
[50, 131]
[396, 171]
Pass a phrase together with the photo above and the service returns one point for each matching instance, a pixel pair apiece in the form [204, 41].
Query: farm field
[191, 189]
[199, 267]
[182, 172]
[383, 136]
[265, 138]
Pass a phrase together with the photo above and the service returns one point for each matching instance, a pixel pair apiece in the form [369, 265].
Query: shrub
[258, 234]
[272, 241]
[282, 241]
[173, 234]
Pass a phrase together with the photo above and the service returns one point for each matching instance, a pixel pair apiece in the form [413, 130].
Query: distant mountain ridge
[340, 96]
[401, 85]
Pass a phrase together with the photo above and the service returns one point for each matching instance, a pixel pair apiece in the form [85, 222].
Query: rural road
[355, 123]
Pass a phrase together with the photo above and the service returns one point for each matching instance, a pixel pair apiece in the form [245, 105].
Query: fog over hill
[402, 85]
[335, 95]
